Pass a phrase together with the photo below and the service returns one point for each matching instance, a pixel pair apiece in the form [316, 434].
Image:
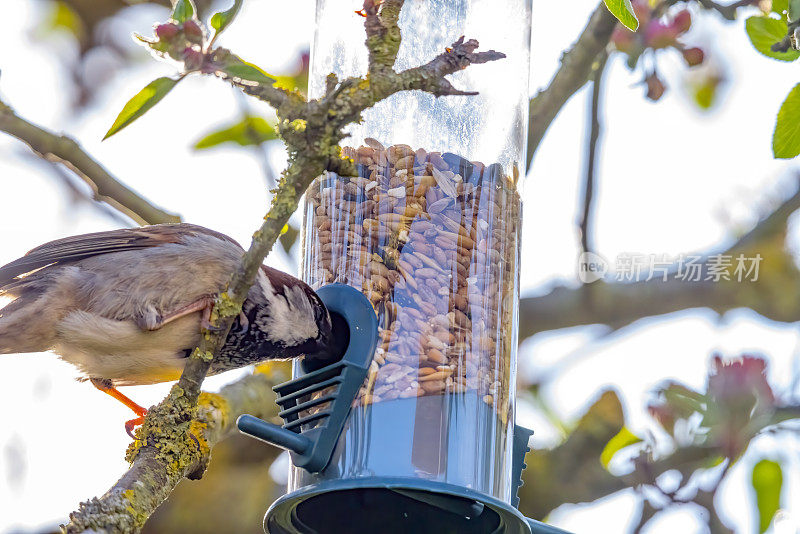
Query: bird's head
[291, 316]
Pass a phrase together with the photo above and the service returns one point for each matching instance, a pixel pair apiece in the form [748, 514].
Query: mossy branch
[62, 149]
[173, 444]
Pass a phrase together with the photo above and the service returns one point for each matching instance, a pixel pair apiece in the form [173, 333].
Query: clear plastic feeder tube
[429, 231]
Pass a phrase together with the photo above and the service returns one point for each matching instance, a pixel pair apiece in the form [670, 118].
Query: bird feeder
[417, 258]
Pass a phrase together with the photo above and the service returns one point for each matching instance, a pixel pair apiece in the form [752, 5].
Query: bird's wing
[76, 248]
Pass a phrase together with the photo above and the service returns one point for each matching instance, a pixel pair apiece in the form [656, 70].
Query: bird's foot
[153, 321]
[206, 324]
[106, 386]
[133, 423]
[205, 320]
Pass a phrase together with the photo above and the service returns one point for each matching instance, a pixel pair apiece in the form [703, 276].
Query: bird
[126, 307]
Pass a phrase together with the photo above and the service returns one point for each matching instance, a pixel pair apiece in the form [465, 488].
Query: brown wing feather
[75, 248]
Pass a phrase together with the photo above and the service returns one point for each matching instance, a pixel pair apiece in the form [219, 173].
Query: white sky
[671, 180]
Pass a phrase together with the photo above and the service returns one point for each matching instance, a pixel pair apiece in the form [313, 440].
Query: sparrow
[126, 307]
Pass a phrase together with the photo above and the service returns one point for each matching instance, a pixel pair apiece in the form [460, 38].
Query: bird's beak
[330, 347]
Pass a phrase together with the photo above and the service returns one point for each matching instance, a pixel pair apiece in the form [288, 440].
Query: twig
[275, 96]
[312, 132]
[595, 130]
[574, 72]
[65, 150]
[728, 11]
[789, 41]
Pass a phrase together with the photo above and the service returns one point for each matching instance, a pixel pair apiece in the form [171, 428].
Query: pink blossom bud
[192, 58]
[166, 32]
[694, 56]
[657, 35]
[682, 21]
[655, 87]
[193, 32]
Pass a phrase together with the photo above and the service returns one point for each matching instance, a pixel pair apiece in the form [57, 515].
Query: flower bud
[693, 56]
[657, 35]
[193, 32]
[192, 58]
[682, 21]
[166, 32]
[655, 87]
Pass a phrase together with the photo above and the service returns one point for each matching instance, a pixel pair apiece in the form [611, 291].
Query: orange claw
[106, 387]
[133, 423]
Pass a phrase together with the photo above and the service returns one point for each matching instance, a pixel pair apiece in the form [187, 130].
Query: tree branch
[728, 11]
[431, 76]
[65, 150]
[156, 470]
[312, 131]
[574, 72]
[383, 34]
[619, 304]
[595, 129]
[274, 96]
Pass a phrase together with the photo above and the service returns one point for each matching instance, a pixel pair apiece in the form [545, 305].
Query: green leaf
[786, 139]
[780, 6]
[623, 10]
[219, 21]
[767, 483]
[765, 32]
[623, 438]
[794, 9]
[141, 103]
[236, 67]
[183, 11]
[247, 132]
